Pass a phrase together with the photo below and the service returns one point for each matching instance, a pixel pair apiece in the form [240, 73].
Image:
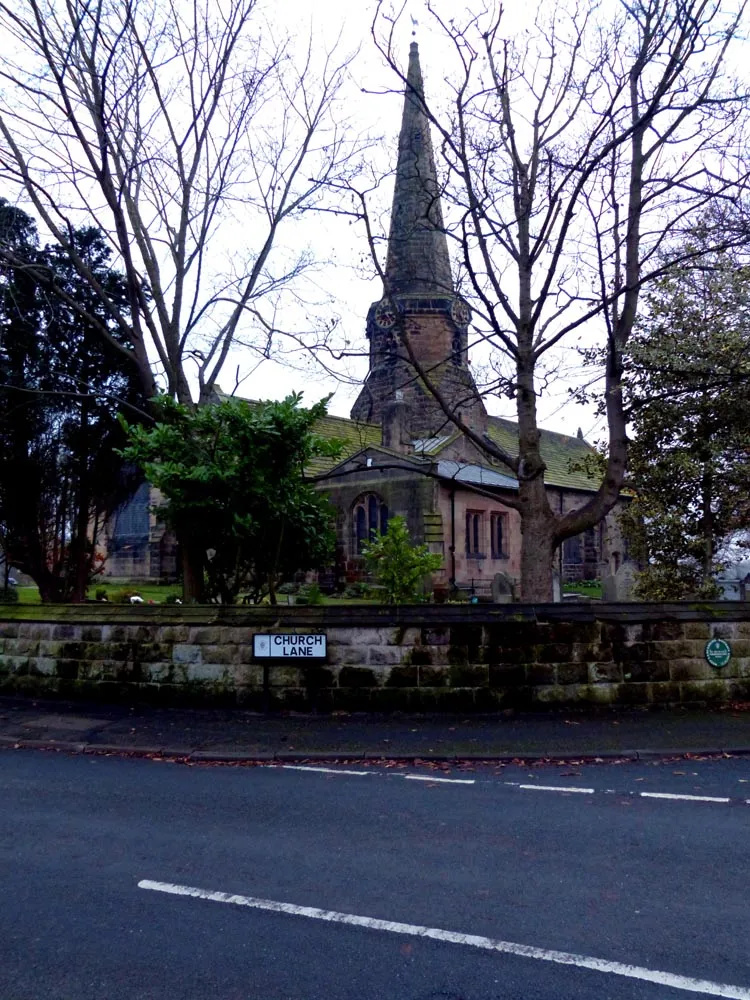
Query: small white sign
[301, 645]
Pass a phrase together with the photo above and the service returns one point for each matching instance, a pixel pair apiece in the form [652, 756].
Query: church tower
[419, 299]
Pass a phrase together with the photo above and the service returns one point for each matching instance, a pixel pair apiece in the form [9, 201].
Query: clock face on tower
[460, 312]
[385, 317]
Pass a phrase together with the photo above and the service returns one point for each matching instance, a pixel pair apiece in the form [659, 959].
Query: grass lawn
[589, 588]
[149, 591]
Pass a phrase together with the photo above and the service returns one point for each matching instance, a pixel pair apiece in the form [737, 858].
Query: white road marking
[687, 983]
[322, 770]
[685, 798]
[447, 781]
[559, 788]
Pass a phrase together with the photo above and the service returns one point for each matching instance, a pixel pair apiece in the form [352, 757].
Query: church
[403, 455]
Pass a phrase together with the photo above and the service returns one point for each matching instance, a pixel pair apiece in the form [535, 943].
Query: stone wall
[452, 658]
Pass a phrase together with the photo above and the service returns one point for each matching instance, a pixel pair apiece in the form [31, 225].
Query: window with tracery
[369, 519]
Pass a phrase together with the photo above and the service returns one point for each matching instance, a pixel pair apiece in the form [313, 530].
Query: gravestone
[502, 589]
[556, 588]
[620, 586]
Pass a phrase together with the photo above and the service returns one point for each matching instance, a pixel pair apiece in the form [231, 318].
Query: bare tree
[190, 136]
[574, 158]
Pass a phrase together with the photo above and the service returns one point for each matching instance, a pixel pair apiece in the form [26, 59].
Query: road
[393, 885]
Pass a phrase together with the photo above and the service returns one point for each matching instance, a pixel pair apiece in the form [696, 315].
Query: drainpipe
[453, 540]
[560, 550]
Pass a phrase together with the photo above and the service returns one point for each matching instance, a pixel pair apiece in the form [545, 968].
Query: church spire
[418, 262]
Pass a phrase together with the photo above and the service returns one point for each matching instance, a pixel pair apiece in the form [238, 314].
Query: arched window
[369, 519]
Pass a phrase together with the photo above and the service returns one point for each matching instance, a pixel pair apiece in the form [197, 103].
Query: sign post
[270, 648]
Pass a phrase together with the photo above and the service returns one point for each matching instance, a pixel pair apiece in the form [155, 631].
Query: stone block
[452, 699]
[24, 647]
[219, 654]
[739, 690]
[66, 632]
[357, 677]
[186, 654]
[743, 630]
[249, 676]
[635, 693]
[663, 631]
[743, 667]
[89, 633]
[726, 630]
[599, 673]
[8, 630]
[552, 694]
[283, 676]
[158, 672]
[172, 633]
[206, 672]
[713, 691]
[469, 675]
[540, 674]
[387, 655]
[354, 699]
[403, 636]
[572, 673]
[114, 633]
[597, 694]
[503, 675]
[359, 636]
[403, 677]
[646, 670]
[67, 669]
[348, 655]
[556, 652]
[421, 655]
[430, 676]
[665, 693]
[15, 665]
[436, 636]
[681, 649]
[697, 630]
[319, 677]
[201, 635]
[35, 630]
[690, 670]
[740, 648]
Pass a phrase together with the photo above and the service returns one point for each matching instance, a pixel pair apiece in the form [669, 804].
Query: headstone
[502, 589]
[556, 588]
[620, 586]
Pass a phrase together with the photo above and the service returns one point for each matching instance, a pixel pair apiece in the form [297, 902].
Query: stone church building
[403, 455]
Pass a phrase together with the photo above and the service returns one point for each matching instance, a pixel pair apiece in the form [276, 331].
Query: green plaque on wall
[718, 652]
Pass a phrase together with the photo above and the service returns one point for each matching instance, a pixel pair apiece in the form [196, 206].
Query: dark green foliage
[8, 595]
[232, 478]
[688, 459]
[61, 384]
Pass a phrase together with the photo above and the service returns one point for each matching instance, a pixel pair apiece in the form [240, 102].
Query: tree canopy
[232, 478]
[61, 386]
[689, 462]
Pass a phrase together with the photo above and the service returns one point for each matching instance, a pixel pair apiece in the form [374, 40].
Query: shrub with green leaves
[398, 566]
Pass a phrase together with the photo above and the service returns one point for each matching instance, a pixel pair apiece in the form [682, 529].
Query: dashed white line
[559, 788]
[322, 770]
[684, 798]
[447, 781]
[687, 983]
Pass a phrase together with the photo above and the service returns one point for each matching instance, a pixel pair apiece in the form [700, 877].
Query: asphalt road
[628, 885]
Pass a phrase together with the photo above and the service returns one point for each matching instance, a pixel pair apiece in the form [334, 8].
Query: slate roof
[480, 475]
[558, 450]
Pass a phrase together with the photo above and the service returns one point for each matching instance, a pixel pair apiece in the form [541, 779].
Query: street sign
[718, 652]
[300, 645]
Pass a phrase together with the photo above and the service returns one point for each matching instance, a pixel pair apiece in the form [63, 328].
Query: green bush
[8, 595]
[100, 594]
[398, 566]
[123, 595]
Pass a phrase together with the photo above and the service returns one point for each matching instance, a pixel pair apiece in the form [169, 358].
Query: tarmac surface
[236, 734]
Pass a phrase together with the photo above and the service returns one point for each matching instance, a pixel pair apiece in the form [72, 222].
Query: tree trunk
[537, 545]
[192, 572]
[707, 523]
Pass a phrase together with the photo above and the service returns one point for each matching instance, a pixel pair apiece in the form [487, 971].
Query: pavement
[132, 879]
[236, 735]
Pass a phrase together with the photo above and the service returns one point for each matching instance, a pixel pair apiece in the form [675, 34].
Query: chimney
[395, 424]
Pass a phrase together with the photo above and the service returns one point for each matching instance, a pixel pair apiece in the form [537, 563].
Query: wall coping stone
[376, 615]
